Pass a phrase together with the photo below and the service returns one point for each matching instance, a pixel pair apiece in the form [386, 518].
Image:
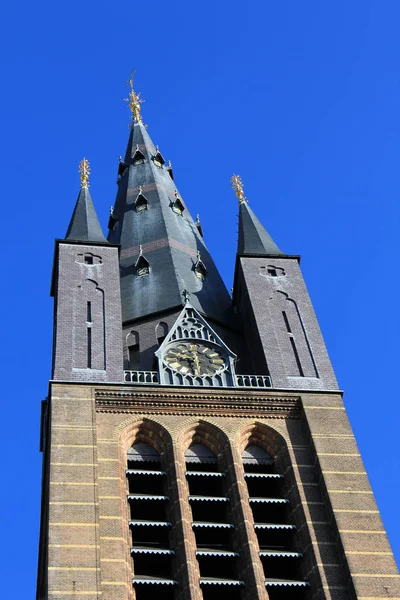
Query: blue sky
[300, 98]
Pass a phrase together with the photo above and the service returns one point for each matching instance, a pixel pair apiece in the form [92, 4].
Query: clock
[194, 358]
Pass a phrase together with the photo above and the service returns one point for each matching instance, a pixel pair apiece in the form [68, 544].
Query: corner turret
[86, 289]
[271, 300]
[254, 240]
[84, 225]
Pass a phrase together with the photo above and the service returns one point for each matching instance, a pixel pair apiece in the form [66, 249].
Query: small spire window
[158, 158]
[142, 265]
[272, 271]
[89, 259]
[112, 221]
[199, 268]
[122, 166]
[177, 205]
[138, 157]
[169, 169]
[198, 225]
[141, 202]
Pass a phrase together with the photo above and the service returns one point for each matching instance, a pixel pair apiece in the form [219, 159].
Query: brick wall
[77, 283]
[260, 301]
[346, 553]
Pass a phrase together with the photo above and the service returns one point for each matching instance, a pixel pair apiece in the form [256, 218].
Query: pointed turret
[84, 225]
[254, 240]
[85, 285]
[150, 214]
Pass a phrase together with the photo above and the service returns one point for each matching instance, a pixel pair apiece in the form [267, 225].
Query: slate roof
[170, 242]
[253, 237]
[84, 225]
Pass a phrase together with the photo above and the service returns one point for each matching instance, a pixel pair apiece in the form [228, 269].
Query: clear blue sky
[300, 98]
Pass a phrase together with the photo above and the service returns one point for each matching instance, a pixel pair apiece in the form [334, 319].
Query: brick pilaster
[252, 569]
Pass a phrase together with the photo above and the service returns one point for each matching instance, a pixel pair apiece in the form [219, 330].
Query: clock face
[194, 358]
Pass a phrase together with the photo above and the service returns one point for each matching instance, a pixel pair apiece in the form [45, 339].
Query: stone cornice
[204, 402]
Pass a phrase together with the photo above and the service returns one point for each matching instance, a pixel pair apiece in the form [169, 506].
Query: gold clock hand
[196, 363]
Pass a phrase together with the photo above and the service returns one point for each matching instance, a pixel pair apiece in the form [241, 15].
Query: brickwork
[339, 532]
[260, 300]
[92, 420]
[73, 538]
[346, 492]
[78, 283]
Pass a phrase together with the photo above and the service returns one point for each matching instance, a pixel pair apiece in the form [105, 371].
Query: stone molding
[230, 404]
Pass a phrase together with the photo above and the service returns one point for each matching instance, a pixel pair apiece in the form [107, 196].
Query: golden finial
[84, 170]
[134, 101]
[237, 185]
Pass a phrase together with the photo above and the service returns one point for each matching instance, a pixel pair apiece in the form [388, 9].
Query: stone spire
[254, 240]
[84, 225]
[150, 212]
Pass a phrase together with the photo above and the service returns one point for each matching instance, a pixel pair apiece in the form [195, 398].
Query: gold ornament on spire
[237, 185]
[84, 170]
[134, 101]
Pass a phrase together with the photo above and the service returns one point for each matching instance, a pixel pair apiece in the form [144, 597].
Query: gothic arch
[89, 335]
[292, 336]
[161, 332]
[144, 430]
[260, 434]
[287, 487]
[132, 350]
[206, 433]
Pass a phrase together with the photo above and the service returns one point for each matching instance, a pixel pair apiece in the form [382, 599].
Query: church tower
[195, 446]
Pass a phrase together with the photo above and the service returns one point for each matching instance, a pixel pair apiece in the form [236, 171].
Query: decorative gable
[138, 157]
[193, 354]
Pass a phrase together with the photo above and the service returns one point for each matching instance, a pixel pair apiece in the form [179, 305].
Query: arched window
[292, 336]
[141, 201]
[149, 522]
[161, 332]
[212, 523]
[133, 350]
[142, 265]
[158, 158]
[273, 524]
[89, 318]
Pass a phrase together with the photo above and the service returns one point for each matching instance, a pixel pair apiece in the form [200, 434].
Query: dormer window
[112, 221]
[170, 171]
[141, 202]
[122, 166]
[198, 225]
[177, 205]
[199, 268]
[142, 265]
[138, 157]
[158, 158]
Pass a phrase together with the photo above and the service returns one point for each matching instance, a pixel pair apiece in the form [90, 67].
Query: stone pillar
[252, 569]
[187, 568]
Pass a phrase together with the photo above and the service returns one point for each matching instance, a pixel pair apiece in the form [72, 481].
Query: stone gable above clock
[193, 354]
